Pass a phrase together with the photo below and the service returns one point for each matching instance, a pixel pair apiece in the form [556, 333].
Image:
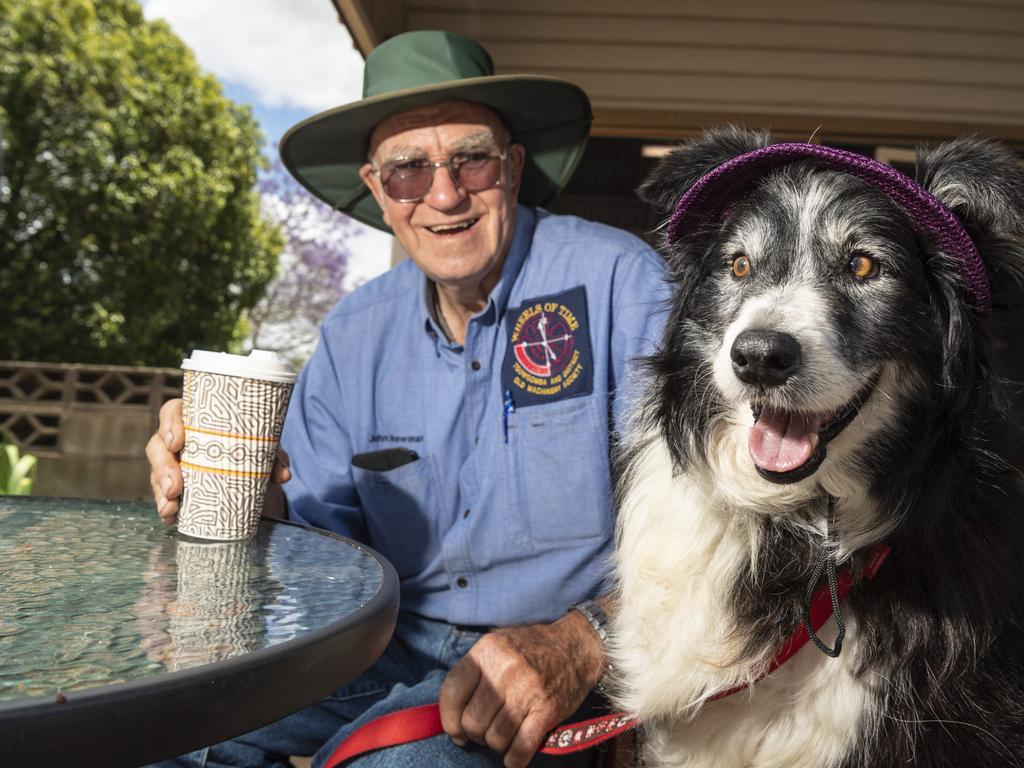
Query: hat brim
[549, 117]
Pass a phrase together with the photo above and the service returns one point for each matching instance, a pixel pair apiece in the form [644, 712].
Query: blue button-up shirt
[501, 512]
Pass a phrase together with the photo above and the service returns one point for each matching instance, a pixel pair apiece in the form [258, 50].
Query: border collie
[821, 390]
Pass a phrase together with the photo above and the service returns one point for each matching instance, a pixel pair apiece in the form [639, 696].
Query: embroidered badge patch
[548, 356]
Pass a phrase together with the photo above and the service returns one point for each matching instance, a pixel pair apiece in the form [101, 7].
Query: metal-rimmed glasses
[410, 180]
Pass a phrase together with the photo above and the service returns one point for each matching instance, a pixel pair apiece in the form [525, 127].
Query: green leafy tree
[130, 228]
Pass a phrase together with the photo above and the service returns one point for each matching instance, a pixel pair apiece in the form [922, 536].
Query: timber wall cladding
[87, 424]
[926, 67]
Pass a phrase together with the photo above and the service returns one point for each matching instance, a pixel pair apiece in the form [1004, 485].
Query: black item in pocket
[385, 460]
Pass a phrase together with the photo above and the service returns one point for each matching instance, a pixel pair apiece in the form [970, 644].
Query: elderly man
[456, 414]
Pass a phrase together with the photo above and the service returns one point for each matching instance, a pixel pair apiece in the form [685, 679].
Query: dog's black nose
[765, 357]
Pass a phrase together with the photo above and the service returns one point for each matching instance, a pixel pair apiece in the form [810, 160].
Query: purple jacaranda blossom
[312, 269]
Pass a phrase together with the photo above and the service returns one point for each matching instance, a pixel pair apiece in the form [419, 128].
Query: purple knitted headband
[707, 199]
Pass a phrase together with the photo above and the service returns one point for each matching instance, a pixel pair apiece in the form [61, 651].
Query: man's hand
[516, 684]
[165, 472]
[162, 451]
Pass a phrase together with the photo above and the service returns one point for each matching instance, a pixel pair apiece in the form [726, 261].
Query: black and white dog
[819, 391]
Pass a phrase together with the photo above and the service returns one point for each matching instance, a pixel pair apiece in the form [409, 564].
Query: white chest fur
[680, 554]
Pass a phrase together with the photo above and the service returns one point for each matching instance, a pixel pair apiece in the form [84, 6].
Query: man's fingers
[480, 712]
[166, 508]
[165, 474]
[170, 483]
[503, 728]
[157, 453]
[528, 739]
[165, 478]
[456, 691]
[171, 429]
[168, 511]
[281, 472]
[165, 496]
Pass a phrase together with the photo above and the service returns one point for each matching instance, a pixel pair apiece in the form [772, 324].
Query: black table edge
[189, 709]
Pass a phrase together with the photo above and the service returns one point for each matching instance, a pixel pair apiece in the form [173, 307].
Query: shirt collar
[522, 239]
[526, 219]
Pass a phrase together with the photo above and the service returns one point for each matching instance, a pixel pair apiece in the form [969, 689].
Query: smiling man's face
[457, 237]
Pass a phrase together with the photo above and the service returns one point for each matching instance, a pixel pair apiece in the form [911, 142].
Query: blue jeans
[409, 673]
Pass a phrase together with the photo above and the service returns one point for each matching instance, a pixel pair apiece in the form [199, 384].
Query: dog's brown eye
[863, 265]
[740, 265]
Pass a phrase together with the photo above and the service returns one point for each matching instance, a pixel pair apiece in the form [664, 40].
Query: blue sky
[273, 120]
[288, 59]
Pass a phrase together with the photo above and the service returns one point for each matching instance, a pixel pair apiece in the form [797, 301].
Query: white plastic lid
[258, 364]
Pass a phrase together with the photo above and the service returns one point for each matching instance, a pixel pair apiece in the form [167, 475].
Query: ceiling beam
[673, 125]
[371, 22]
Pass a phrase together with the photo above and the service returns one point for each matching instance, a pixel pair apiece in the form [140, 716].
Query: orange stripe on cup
[261, 438]
[216, 471]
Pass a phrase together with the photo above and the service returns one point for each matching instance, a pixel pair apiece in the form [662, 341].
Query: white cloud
[290, 53]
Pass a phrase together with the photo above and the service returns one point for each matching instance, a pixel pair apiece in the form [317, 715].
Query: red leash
[423, 722]
[389, 730]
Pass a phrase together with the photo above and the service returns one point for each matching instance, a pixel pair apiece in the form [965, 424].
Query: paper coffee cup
[233, 409]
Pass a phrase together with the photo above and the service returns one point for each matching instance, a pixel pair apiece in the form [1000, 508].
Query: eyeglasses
[409, 181]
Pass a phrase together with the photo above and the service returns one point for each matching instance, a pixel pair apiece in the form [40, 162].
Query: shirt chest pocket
[558, 457]
[400, 509]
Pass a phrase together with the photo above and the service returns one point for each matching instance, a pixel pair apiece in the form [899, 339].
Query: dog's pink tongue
[780, 441]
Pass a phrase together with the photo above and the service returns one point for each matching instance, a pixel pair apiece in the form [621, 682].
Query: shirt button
[475, 365]
[462, 583]
[465, 513]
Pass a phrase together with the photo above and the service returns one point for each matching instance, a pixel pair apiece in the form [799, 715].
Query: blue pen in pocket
[508, 407]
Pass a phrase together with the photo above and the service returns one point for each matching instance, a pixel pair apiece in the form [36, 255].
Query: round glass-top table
[123, 642]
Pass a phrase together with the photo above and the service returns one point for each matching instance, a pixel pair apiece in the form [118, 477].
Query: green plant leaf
[8, 456]
[23, 475]
[17, 472]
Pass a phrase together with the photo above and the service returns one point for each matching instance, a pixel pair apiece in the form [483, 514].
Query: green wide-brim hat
[549, 117]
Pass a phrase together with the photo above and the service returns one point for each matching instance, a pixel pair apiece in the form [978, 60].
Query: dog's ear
[679, 169]
[982, 182]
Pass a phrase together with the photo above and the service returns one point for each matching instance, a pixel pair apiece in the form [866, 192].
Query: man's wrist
[599, 622]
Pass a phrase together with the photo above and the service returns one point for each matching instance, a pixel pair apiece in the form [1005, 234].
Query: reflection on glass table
[107, 617]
